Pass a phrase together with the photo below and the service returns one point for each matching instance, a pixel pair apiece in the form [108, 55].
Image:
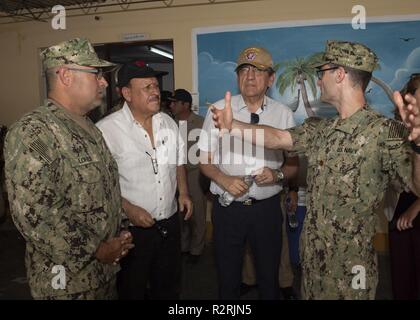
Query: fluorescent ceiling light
[162, 53]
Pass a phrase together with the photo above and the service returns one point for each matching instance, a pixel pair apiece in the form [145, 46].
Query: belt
[249, 201]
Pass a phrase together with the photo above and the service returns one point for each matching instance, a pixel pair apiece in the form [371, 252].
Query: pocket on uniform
[344, 179]
[87, 190]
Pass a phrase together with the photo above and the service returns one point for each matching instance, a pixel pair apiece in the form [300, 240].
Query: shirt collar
[356, 120]
[128, 116]
[242, 105]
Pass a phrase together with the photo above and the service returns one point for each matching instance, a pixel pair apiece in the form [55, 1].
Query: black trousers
[260, 224]
[405, 253]
[155, 261]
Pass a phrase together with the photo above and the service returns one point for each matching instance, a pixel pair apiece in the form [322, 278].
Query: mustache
[154, 98]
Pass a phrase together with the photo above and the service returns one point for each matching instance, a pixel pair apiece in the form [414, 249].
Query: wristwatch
[279, 176]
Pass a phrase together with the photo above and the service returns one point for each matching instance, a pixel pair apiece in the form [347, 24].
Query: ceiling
[16, 11]
[21, 10]
[12, 11]
[126, 52]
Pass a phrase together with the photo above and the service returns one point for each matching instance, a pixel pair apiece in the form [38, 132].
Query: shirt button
[158, 181]
[321, 163]
[160, 198]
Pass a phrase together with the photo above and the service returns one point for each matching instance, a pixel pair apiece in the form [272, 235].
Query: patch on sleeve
[42, 149]
[397, 131]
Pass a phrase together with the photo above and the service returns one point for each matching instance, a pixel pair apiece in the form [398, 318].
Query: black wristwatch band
[415, 147]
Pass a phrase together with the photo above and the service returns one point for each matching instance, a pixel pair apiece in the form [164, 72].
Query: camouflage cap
[76, 51]
[257, 57]
[349, 54]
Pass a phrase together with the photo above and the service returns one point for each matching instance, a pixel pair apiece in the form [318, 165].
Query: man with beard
[150, 156]
[351, 160]
[63, 182]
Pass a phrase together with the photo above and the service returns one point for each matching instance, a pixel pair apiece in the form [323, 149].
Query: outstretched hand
[223, 118]
[409, 113]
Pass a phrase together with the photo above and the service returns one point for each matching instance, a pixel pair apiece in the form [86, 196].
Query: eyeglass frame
[248, 67]
[154, 163]
[320, 72]
[99, 73]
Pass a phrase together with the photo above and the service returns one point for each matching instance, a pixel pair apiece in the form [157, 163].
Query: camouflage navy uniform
[64, 194]
[65, 199]
[350, 163]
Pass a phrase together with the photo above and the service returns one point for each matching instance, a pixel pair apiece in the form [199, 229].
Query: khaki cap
[257, 57]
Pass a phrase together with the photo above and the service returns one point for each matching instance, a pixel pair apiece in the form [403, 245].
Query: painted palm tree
[294, 73]
[384, 86]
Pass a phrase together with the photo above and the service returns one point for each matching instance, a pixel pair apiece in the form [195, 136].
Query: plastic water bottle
[291, 216]
[227, 198]
[249, 180]
[293, 221]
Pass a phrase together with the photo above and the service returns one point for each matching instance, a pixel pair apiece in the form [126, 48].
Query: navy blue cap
[136, 69]
[181, 95]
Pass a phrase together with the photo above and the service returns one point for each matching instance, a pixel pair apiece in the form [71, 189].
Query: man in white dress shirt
[255, 214]
[150, 156]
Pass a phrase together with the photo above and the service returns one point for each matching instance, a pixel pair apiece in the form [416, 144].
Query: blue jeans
[293, 236]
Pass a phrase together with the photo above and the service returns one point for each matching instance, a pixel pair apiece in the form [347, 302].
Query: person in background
[193, 231]
[165, 103]
[297, 195]
[404, 230]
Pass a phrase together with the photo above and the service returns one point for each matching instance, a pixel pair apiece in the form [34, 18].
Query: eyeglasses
[247, 68]
[154, 162]
[320, 72]
[98, 72]
[255, 118]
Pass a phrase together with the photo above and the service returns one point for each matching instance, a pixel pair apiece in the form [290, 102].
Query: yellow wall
[19, 84]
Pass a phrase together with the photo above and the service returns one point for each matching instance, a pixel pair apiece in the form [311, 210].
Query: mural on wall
[397, 44]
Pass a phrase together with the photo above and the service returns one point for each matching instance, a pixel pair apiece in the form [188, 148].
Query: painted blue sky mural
[397, 45]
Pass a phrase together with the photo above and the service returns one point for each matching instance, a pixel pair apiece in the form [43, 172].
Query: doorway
[123, 52]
